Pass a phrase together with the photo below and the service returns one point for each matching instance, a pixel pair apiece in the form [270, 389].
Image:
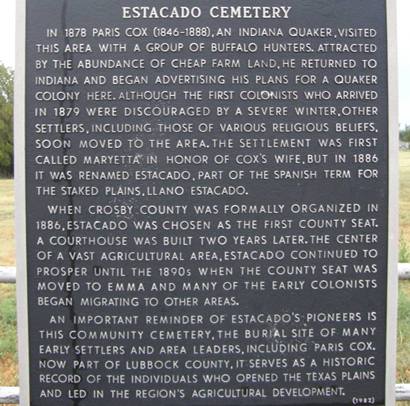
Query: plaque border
[393, 204]
[20, 203]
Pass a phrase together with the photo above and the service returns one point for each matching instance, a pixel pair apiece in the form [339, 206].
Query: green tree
[6, 121]
[405, 134]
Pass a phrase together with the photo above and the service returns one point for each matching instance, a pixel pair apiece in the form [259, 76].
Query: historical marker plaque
[205, 197]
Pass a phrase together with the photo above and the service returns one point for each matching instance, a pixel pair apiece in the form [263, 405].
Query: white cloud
[403, 33]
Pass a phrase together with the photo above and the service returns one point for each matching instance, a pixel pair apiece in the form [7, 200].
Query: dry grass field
[8, 358]
[403, 333]
[7, 248]
[405, 197]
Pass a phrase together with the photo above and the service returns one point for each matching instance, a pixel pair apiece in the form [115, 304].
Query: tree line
[6, 121]
[405, 134]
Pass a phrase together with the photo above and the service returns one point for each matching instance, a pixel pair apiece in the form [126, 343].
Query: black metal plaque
[206, 202]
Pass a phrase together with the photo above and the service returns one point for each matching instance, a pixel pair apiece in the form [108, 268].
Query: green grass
[403, 336]
[404, 250]
[8, 336]
[8, 370]
[7, 325]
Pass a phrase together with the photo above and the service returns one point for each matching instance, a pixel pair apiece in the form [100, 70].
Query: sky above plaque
[7, 35]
